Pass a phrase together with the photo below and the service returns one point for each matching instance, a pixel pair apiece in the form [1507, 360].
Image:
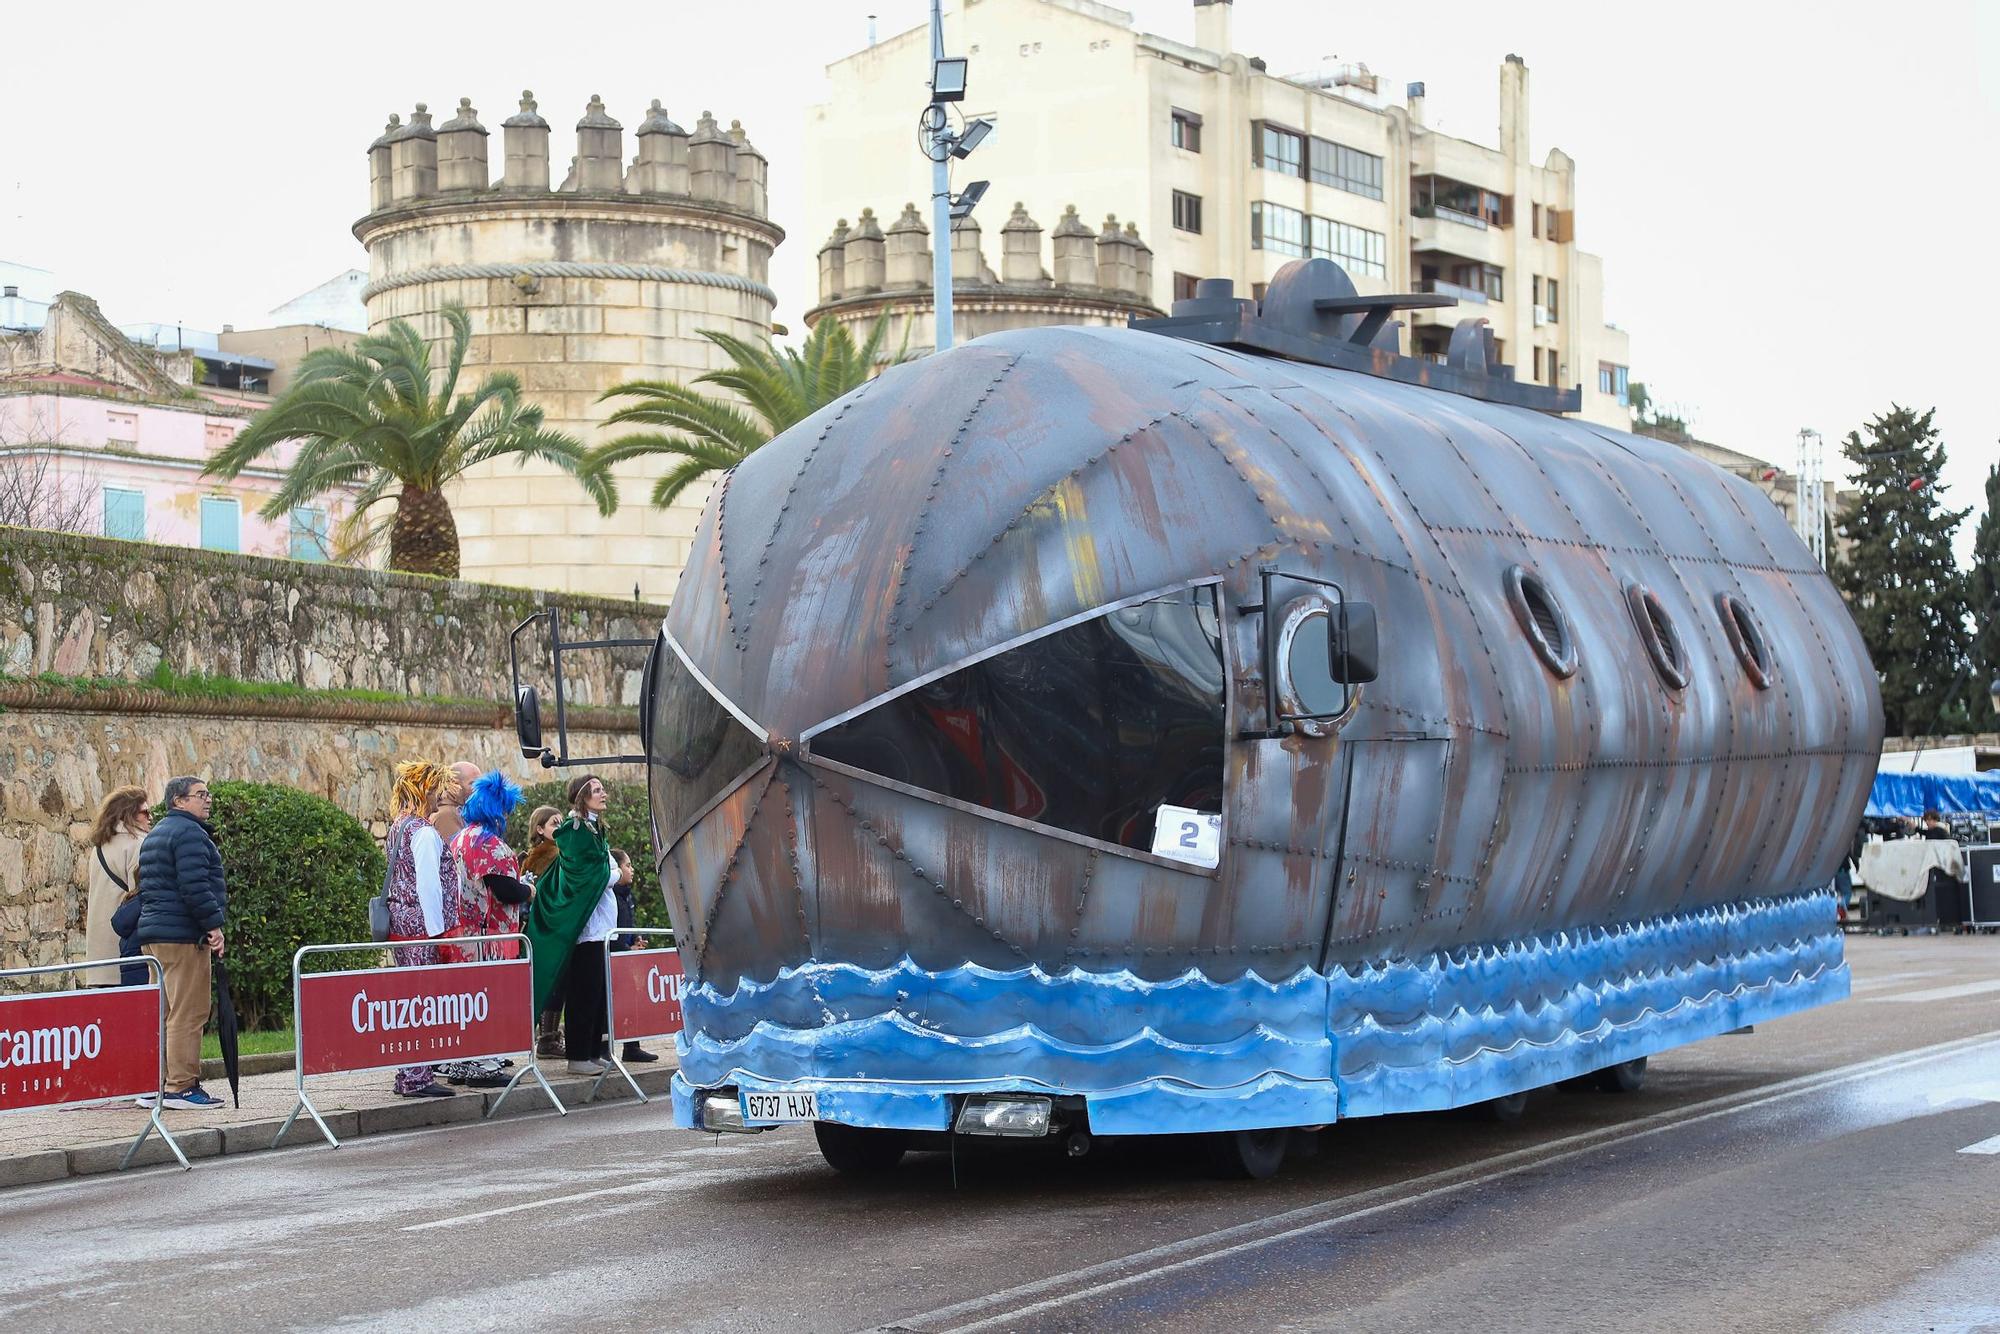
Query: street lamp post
[941, 144]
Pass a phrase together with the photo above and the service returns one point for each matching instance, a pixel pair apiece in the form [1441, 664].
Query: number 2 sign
[1187, 835]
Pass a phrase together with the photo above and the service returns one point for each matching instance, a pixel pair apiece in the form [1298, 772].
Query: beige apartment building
[1231, 169]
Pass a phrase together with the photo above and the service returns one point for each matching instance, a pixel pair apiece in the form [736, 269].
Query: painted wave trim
[1455, 1027]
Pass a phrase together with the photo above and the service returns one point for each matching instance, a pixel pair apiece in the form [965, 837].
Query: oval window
[1747, 638]
[1542, 621]
[1662, 640]
[1306, 687]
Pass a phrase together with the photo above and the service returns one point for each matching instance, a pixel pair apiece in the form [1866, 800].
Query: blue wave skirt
[891, 1047]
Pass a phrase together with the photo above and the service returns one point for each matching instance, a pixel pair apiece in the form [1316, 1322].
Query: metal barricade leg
[529, 1069]
[616, 1064]
[153, 1122]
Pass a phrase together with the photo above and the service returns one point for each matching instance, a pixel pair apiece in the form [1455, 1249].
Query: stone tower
[608, 276]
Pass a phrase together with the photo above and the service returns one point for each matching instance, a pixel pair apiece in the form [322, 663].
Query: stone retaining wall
[111, 611]
[56, 766]
[96, 607]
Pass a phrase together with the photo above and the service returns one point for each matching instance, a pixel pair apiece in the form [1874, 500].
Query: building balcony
[1444, 214]
[1465, 295]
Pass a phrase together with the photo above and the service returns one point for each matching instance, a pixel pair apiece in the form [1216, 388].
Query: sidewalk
[80, 1141]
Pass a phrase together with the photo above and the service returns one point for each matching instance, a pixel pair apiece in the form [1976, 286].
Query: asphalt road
[1812, 1175]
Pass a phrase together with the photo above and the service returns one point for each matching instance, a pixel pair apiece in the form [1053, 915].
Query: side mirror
[528, 722]
[1352, 644]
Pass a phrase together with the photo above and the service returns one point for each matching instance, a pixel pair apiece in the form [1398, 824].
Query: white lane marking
[1986, 1092]
[1315, 1217]
[1984, 1146]
[1944, 993]
[666, 1175]
[1881, 980]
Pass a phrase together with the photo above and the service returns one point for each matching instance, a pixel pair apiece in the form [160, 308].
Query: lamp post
[941, 144]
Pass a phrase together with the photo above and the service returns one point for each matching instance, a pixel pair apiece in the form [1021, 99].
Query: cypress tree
[1983, 597]
[1898, 574]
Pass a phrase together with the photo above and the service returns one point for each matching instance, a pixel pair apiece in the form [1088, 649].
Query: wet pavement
[1835, 1170]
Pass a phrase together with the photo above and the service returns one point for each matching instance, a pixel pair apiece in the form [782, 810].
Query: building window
[309, 540]
[1278, 229]
[1535, 215]
[1280, 150]
[1456, 201]
[1616, 380]
[1090, 729]
[1187, 130]
[1346, 168]
[1187, 211]
[1552, 303]
[125, 513]
[221, 520]
[1355, 249]
[1184, 284]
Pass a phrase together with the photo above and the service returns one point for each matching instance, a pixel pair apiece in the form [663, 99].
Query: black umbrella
[225, 1031]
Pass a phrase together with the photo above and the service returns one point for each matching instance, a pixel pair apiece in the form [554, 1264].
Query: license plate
[780, 1106]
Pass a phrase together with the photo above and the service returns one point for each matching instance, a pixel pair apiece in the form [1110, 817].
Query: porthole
[1662, 640]
[1747, 638]
[1542, 621]
[1308, 696]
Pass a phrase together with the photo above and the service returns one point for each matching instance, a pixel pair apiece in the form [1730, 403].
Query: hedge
[300, 871]
[628, 820]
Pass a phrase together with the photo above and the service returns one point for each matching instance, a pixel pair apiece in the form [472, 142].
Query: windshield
[696, 748]
[1092, 729]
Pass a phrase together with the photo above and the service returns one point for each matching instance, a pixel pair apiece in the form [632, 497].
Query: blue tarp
[1913, 794]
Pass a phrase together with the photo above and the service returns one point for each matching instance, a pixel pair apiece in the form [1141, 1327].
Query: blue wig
[493, 798]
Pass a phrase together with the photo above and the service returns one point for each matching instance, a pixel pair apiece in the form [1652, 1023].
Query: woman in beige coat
[122, 822]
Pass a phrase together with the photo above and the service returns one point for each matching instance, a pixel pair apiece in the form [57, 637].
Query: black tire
[1505, 1110]
[1624, 1077]
[1247, 1155]
[859, 1151]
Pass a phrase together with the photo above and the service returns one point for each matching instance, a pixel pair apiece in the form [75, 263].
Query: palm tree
[367, 415]
[710, 433]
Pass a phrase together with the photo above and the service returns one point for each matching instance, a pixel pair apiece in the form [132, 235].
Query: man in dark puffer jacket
[181, 905]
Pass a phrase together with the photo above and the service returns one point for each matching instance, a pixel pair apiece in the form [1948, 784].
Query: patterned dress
[406, 916]
[479, 853]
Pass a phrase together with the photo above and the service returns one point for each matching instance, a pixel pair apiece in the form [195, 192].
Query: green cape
[565, 894]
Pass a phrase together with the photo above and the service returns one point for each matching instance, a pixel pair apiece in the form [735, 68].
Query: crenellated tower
[610, 274]
[865, 273]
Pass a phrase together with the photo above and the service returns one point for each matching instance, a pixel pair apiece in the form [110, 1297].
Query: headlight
[1004, 1114]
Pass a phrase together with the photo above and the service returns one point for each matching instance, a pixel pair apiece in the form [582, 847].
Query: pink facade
[144, 461]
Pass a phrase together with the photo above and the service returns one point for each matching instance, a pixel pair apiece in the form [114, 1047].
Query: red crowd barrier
[643, 990]
[385, 1018]
[91, 1045]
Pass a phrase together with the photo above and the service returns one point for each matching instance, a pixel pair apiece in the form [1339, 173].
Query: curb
[469, 1107]
[263, 1063]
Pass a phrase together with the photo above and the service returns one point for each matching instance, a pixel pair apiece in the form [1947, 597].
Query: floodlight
[968, 199]
[971, 137]
[948, 79]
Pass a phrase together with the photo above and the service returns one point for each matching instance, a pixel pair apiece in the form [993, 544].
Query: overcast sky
[1791, 199]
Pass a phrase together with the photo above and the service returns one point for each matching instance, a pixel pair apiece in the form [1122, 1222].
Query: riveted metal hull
[1587, 832]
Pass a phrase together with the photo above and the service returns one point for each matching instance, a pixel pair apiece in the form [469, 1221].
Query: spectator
[621, 885]
[182, 902]
[123, 821]
[574, 910]
[540, 856]
[448, 820]
[422, 889]
[1933, 826]
[490, 897]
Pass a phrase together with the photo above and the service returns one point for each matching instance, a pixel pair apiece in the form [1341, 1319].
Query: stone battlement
[414, 161]
[864, 260]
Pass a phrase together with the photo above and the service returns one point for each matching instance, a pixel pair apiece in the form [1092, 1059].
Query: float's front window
[1091, 729]
[697, 748]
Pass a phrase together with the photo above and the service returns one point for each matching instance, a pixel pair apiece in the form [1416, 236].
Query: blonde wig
[417, 783]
